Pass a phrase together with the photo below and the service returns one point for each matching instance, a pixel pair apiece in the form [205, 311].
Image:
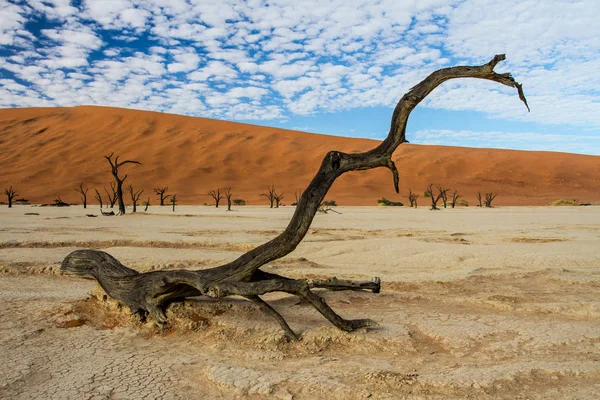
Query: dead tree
[297, 195]
[412, 197]
[270, 195]
[10, 194]
[479, 199]
[115, 165]
[112, 195]
[160, 192]
[434, 198]
[149, 293]
[217, 196]
[443, 194]
[98, 197]
[135, 196]
[228, 197]
[455, 197]
[146, 204]
[83, 193]
[174, 200]
[278, 198]
[489, 197]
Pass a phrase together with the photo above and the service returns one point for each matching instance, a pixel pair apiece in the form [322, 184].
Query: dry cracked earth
[476, 304]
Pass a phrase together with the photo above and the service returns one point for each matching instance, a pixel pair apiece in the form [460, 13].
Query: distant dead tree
[161, 193]
[228, 196]
[443, 194]
[217, 196]
[115, 165]
[479, 199]
[455, 197]
[489, 197]
[271, 195]
[10, 194]
[59, 203]
[297, 195]
[135, 196]
[83, 193]
[174, 200]
[150, 293]
[434, 198]
[112, 195]
[278, 198]
[146, 204]
[98, 197]
[412, 198]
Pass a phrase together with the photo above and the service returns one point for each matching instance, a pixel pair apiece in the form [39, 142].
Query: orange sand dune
[47, 152]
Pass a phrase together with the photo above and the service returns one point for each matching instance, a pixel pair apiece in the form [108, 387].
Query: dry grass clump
[563, 202]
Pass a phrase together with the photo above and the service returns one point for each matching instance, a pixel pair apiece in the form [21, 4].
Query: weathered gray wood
[151, 292]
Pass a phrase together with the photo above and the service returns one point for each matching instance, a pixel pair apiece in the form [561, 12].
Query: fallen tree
[150, 293]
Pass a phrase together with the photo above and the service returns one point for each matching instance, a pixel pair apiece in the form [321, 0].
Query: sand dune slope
[47, 152]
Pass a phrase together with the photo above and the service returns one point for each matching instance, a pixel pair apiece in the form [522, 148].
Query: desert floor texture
[475, 303]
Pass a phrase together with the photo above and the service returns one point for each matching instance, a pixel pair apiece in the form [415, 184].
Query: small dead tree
[135, 196]
[151, 292]
[479, 199]
[489, 197]
[270, 195]
[297, 195]
[83, 193]
[112, 195]
[228, 197]
[434, 198]
[10, 194]
[217, 196]
[160, 192]
[443, 194]
[115, 165]
[146, 204]
[278, 198]
[412, 198]
[455, 197]
[174, 201]
[98, 197]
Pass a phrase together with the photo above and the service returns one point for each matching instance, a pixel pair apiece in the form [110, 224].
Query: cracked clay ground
[476, 304]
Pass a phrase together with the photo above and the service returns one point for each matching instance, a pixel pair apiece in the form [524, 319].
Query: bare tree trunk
[83, 193]
[115, 173]
[161, 193]
[150, 293]
[217, 196]
[228, 196]
[99, 198]
[455, 197]
[10, 194]
[174, 200]
[479, 199]
[135, 196]
[489, 197]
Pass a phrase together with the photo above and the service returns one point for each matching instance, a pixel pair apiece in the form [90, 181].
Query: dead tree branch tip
[149, 293]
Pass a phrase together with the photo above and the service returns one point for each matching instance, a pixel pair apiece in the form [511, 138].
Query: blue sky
[334, 67]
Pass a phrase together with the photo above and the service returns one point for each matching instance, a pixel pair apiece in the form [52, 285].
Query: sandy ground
[476, 303]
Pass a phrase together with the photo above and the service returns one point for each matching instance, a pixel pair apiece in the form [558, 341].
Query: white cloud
[230, 59]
